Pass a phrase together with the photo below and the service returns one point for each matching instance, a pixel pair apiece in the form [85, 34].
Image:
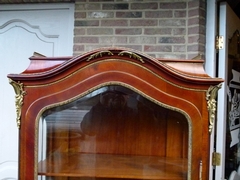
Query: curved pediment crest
[190, 71]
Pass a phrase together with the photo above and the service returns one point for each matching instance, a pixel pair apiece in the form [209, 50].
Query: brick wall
[161, 28]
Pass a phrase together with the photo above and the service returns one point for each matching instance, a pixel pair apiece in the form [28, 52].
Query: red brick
[142, 5]
[79, 31]
[172, 22]
[100, 31]
[202, 47]
[159, 14]
[180, 13]
[86, 6]
[86, 39]
[171, 40]
[157, 31]
[143, 22]
[179, 48]
[196, 39]
[131, 14]
[113, 40]
[78, 48]
[197, 3]
[86, 23]
[193, 39]
[157, 48]
[173, 5]
[92, 6]
[142, 40]
[79, 15]
[193, 4]
[195, 47]
[114, 23]
[196, 21]
[136, 47]
[100, 14]
[128, 31]
[171, 55]
[193, 21]
[196, 12]
[90, 47]
[179, 31]
[196, 30]
[115, 6]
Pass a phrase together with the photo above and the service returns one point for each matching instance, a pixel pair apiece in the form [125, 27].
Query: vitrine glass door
[113, 132]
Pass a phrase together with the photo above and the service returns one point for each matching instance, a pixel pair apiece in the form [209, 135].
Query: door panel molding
[20, 35]
[25, 25]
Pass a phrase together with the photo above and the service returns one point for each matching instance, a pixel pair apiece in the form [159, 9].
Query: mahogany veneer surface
[113, 166]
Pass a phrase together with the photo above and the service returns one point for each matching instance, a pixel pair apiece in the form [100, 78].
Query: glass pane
[112, 133]
[232, 160]
[232, 148]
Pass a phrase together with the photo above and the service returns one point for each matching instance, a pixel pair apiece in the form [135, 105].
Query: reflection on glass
[232, 160]
[112, 133]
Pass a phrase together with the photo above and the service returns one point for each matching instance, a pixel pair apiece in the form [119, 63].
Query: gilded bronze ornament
[20, 93]
[131, 55]
[211, 104]
[99, 54]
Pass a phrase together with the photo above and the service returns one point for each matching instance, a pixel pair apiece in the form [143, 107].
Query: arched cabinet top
[43, 69]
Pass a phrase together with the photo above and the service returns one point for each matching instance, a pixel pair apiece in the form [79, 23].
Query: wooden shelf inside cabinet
[113, 166]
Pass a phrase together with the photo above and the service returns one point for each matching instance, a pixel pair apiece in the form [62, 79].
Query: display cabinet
[114, 113]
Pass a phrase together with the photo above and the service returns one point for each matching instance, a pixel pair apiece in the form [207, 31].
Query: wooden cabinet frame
[180, 85]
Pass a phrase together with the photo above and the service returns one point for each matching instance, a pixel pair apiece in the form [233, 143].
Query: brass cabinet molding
[131, 55]
[211, 104]
[99, 54]
[20, 93]
[109, 53]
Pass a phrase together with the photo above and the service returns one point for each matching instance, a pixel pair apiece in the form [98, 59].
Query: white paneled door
[25, 29]
[229, 23]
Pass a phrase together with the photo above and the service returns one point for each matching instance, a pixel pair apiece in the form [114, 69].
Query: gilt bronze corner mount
[19, 96]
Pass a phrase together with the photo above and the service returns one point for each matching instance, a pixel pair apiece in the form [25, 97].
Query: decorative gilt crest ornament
[20, 93]
[131, 55]
[211, 104]
[109, 53]
[99, 54]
